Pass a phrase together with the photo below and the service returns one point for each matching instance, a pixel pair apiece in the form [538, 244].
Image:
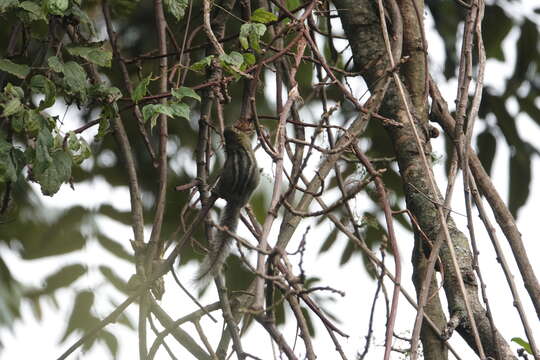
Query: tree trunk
[362, 27]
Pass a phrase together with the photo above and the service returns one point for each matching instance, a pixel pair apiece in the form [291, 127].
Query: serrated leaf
[94, 53]
[5, 147]
[56, 7]
[250, 35]
[249, 59]
[42, 158]
[19, 70]
[75, 76]
[63, 277]
[176, 8]
[17, 122]
[57, 173]
[200, 65]
[263, 16]
[39, 84]
[72, 142]
[150, 113]
[104, 127]
[34, 11]
[7, 4]
[243, 36]
[33, 122]
[8, 170]
[183, 91]
[83, 153]
[234, 59]
[254, 38]
[14, 91]
[55, 64]
[180, 110]
[104, 93]
[84, 20]
[13, 106]
[141, 89]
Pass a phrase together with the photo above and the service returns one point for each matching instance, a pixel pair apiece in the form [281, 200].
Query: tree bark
[361, 24]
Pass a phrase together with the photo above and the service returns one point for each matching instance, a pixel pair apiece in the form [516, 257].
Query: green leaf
[41, 85]
[58, 172]
[104, 93]
[150, 113]
[114, 247]
[180, 110]
[347, 252]
[111, 342]
[520, 180]
[141, 89]
[42, 158]
[263, 16]
[33, 122]
[499, 25]
[329, 241]
[94, 53]
[8, 170]
[59, 238]
[234, 59]
[72, 142]
[75, 76]
[55, 64]
[56, 7]
[85, 22]
[13, 106]
[14, 91]
[249, 59]
[5, 146]
[75, 79]
[200, 65]
[81, 317]
[7, 4]
[487, 145]
[243, 37]
[82, 153]
[19, 70]
[525, 345]
[63, 278]
[250, 35]
[114, 279]
[183, 91]
[34, 11]
[104, 127]
[176, 8]
[17, 122]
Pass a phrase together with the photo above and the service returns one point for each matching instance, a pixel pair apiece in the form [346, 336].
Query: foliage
[60, 59]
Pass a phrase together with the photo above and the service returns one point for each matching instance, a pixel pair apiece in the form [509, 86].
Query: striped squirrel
[239, 178]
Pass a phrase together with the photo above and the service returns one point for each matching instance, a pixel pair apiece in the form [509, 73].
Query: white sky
[31, 338]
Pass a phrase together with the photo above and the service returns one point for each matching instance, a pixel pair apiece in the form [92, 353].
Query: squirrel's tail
[218, 250]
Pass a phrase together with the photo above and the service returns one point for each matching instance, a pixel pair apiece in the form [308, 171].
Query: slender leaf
[19, 70]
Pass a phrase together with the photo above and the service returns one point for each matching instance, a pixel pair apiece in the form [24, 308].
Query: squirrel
[239, 178]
